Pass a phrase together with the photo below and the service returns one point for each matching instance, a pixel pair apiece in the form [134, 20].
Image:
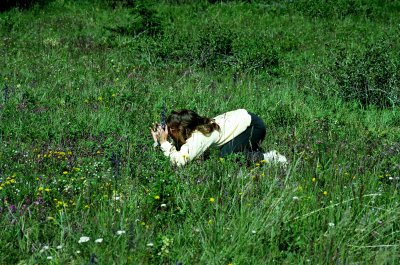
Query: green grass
[81, 82]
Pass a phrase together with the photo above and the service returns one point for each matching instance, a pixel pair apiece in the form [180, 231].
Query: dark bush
[22, 4]
[215, 45]
[256, 53]
[331, 8]
[370, 77]
[282, 115]
[145, 20]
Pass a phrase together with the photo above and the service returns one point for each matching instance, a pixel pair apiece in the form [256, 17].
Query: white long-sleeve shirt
[231, 123]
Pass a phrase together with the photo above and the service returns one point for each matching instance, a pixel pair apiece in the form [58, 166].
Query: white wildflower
[120, 232]
[150, 244]
[331, 224]
[59, 247]
[163, 205]
[99, 240]
[83, 239]
[50, 257]
[254, 231]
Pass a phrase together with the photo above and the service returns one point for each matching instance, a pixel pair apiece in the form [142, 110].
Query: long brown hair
[185, 122]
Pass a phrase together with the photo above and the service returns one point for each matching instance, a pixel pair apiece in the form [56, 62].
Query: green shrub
[215, 45]
[340, 8]
[256, 53]
[145, 20]
[370, 77]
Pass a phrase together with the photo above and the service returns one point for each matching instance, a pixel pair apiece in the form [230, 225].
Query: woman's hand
[159, 134]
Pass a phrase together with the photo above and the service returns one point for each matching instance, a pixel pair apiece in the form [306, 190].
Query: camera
[162, 125]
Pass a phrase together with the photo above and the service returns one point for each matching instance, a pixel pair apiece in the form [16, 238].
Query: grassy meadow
[81, 82]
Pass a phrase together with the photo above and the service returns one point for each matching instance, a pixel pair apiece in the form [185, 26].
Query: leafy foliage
[369, 77]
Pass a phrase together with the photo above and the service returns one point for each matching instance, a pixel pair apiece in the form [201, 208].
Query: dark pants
[248, 142]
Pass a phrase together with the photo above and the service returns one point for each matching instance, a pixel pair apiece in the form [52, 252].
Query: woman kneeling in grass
[236, 131]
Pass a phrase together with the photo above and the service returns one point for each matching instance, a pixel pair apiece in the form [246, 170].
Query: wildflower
[120, 232]
[50, 257]
[313, 179]
[40, 189]
[100, 98]
[86, 101]
[331, 224]
[300, 188]
[12, 180]
[178, 208]
[163, 205]
[99, 240]
[210, 221]
[50, 218]
[65, 172]
[240, 193]
[98, 152]
[44, 248]
[143, 223]
[221, 159]
[157, 197]
[211, 199]
[147, 226]
[295, 198]
[83, 239]
[263, 161]
[48, 190]
[254, 231]
[59, 247]
[325, 192]
[86, 206]
[113, 95]
[150, 244]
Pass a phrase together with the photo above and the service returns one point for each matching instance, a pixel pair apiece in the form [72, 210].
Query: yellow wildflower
[40, 189]
[47, 189]
[211, 199]
[157, 197]
[325, 192]
[313, 179]
[65, 172]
